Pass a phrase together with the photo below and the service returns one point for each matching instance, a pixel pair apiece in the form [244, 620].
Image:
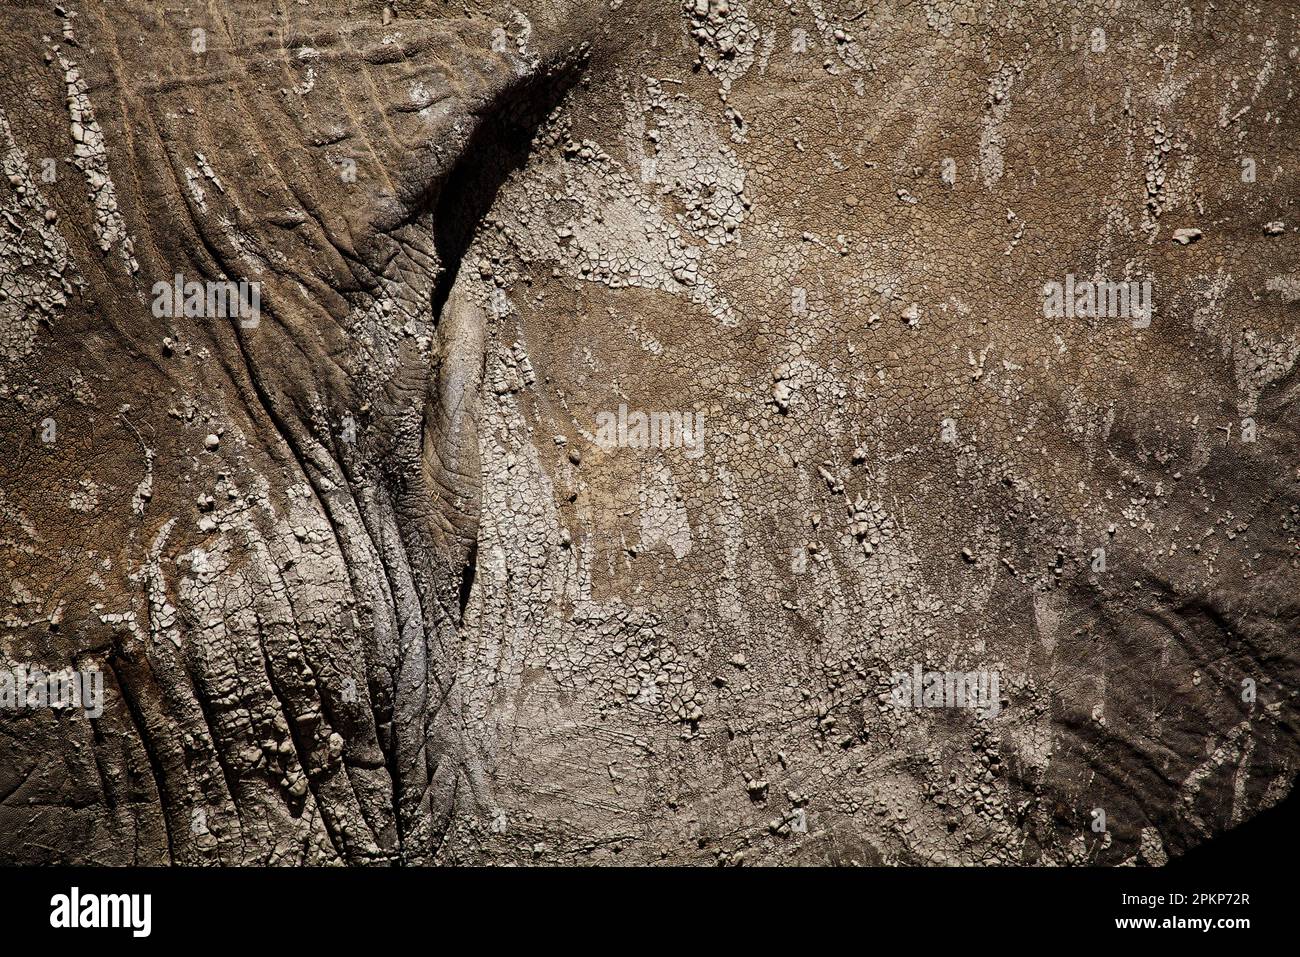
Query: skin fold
[369, 582]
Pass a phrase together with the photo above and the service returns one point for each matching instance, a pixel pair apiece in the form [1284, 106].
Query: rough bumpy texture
[366, 584]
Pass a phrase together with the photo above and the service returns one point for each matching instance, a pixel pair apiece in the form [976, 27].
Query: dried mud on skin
[366, 582]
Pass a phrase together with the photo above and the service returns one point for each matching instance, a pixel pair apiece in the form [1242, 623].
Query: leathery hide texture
[643, 431]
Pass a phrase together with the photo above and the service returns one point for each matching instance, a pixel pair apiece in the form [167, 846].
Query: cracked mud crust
[638, 390]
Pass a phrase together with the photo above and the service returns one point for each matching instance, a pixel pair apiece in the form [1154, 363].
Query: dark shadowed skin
[365, 586]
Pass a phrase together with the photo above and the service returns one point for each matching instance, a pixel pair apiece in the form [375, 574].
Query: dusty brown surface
[406, 607]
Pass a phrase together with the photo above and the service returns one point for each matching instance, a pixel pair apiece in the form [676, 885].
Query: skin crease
[407, 609]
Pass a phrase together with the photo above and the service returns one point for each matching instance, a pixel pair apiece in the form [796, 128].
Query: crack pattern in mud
[664, 432]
